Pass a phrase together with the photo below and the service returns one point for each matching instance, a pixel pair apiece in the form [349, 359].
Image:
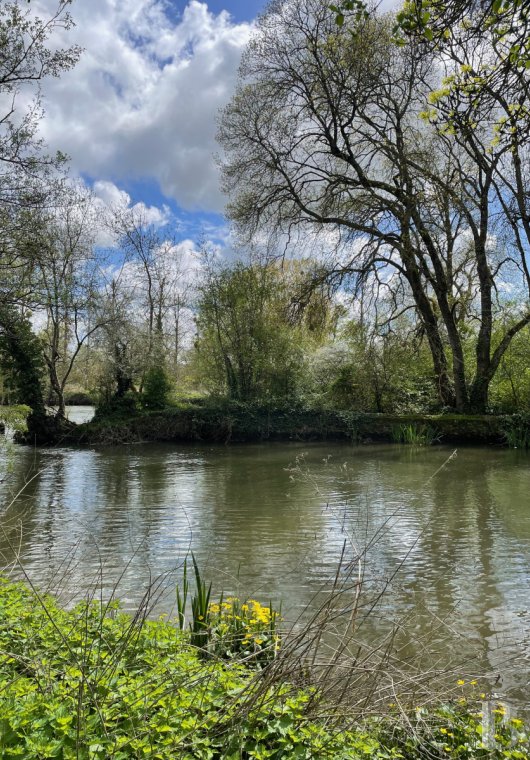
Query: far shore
[238, 423]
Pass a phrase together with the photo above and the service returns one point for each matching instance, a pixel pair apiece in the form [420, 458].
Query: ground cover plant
[93, 682]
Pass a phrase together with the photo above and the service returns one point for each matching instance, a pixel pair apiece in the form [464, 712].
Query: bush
[118, 408]
[156, 388]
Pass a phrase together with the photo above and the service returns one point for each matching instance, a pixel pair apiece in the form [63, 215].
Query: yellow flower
[460, 682]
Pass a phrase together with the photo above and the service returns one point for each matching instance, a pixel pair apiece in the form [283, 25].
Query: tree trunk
[478, 397]
[429, 319]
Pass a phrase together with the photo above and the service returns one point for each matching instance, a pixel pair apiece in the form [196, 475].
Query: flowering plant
[244, 629]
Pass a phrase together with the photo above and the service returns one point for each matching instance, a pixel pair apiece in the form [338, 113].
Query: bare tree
[153, 271]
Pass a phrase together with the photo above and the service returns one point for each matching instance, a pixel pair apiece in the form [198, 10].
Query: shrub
[156, 388]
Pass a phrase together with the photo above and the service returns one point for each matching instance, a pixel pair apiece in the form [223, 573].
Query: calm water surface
[450, 535]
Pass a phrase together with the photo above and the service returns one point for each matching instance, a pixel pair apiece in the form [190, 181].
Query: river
[446, 534]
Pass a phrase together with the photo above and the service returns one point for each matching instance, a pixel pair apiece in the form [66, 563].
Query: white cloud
[109, 196]
[143, 100]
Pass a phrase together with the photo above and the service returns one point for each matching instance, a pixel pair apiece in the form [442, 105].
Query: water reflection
[449, 537]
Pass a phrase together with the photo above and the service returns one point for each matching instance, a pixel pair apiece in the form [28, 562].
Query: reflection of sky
[455, 549]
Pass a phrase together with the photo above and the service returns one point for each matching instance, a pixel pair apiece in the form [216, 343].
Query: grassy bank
[236, 423]
[91, 682]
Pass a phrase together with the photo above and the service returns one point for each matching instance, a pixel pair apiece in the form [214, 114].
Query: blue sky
[241, 10]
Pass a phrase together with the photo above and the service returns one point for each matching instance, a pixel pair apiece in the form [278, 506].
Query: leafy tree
[27, 56]
[118, 343]
[247, 345]
[385, 371]
[332, 129]
[510, 391]
[21, 358]
[156, 388]
[156, 278]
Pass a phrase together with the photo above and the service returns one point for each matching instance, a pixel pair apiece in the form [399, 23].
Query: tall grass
[517, 437]
[414, 434]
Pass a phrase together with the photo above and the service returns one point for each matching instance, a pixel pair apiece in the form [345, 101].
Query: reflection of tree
[461, 535]
[266, 533]
[465, 564]
[18, 495]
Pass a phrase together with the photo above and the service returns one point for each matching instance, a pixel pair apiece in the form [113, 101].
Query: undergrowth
[415, 434]
[93, 682]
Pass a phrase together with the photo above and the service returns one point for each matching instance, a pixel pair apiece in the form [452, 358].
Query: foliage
[370, 371]
[517, 431]
[156, 388]
[15, 417]
[200, 608]
[27, 58]
[92, 682]
[228, 629]
[379, 160]
[456, 730]
[65, 281]
[21, 358]
[243, 630]
[510, 391]
[418, 435]
[95, 683]
[358, 7]
[247, 346]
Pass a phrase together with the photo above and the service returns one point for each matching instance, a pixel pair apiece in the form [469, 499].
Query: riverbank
[239, 423]
[91, 682]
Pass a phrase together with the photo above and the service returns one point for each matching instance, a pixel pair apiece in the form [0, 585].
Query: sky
[137, 115]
